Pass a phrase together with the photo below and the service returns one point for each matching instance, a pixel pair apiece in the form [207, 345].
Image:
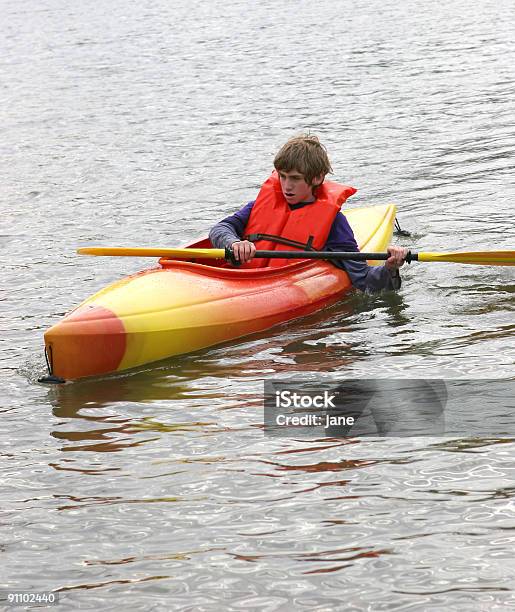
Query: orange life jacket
[309, 225]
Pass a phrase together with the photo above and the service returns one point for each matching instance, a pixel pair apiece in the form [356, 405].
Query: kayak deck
[184, 306]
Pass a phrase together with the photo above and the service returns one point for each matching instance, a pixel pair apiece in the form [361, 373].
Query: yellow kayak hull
[184, 306]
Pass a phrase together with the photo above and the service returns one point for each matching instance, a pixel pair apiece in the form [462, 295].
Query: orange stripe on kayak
[90, 340]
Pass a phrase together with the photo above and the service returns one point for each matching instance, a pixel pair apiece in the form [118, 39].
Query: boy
[295, 209]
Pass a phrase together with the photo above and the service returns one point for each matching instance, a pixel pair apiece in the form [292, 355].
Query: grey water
[142, 124]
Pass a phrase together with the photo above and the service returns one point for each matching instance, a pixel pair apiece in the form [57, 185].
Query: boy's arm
[364, 277]
[230, 229]
[371, 279]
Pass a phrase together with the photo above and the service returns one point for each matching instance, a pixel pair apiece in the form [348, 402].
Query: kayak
[183, 306]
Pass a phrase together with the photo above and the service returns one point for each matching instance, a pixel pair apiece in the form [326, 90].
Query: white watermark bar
[15, 597]
[389, 408]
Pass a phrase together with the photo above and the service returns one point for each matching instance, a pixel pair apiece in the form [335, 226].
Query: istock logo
[289, 399]
[360, 407]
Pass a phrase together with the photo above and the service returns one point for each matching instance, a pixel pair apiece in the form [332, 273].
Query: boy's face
[294, 187]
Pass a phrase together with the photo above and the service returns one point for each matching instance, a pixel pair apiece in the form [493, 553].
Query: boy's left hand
[397, 257]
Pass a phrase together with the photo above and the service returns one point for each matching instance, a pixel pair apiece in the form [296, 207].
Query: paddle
[480, 258]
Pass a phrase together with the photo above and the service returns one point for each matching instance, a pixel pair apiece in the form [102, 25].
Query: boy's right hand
[243, 250]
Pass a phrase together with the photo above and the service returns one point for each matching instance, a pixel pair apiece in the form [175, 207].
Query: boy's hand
[243, 250]
[397, 257]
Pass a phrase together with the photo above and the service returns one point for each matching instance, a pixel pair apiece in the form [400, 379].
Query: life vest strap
[280, 240]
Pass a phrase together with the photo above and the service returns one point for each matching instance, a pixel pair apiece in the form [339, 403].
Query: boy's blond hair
[305, 154]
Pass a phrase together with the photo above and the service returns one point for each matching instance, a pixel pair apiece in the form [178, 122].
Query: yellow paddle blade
[479, 258]
[153, 252]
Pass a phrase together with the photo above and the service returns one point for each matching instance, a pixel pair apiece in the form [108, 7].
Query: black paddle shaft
[353, 256]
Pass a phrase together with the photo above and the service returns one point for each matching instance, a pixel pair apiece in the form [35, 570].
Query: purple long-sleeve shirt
[341, 238]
